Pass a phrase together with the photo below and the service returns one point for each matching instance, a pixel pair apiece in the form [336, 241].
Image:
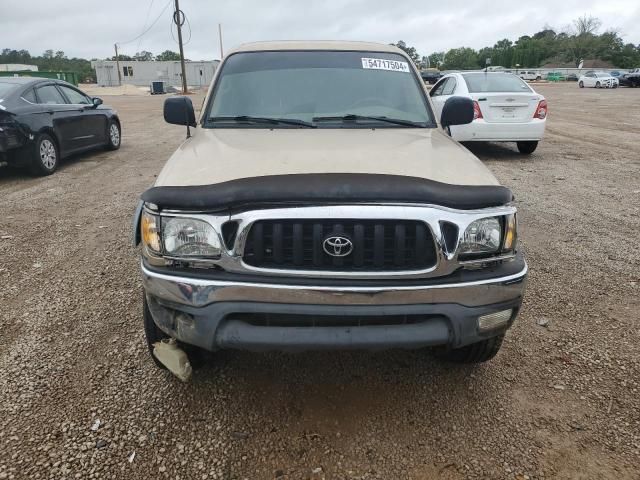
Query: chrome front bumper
[194, 292]
[214, 314]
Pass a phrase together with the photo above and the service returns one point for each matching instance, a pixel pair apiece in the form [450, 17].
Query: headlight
[188, 237]
[481, 237]
[150, 232]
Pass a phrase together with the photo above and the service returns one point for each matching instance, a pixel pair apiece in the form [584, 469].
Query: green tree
[463, 58]
[143, 56]
[436, 59]
[167, 55]
[411, 51]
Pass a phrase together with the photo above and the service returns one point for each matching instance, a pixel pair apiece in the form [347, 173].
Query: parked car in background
[44, 120]
[597, 80]
[383, 233]
[572, 77]
[430, 75]
[616, 73]
[506, 109]
[555, 77]
[530, 75]
[631, 79]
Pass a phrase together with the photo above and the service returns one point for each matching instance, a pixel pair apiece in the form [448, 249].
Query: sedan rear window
[50, 95]
[494, 82]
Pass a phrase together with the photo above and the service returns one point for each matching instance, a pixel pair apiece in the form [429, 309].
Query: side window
[128, 71]
[449, 87]
[50, 95]
[30, 96]
[74, 96]
[438, 87]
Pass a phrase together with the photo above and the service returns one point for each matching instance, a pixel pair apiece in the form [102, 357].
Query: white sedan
[506, 109]
[598, 80]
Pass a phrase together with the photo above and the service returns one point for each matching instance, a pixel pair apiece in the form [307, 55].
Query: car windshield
[602, 75]
[494, 82]
[325, 89]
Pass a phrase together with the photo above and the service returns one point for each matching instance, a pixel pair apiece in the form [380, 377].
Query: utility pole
[178, 18]
[115, 45]
[220, 36]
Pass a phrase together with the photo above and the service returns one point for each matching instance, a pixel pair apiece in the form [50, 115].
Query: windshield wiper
[350, 117]
[274, 121]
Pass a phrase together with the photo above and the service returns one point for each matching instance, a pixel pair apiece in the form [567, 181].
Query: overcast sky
[89, 28]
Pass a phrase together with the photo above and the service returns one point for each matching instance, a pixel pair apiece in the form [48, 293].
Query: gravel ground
[79, 397]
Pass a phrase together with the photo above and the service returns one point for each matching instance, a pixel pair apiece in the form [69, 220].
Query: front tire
[581, 84]
[597, 84]
[479, 352]
[114, 135]
[45, 155]
[527, 148]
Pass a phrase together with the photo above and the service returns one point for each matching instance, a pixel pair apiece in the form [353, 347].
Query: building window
[128, 71]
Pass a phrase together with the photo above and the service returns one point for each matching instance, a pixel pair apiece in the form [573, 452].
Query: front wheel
[527, 148]
[479, 352]
[597, 84]
[580, 84]
[45, 155]
[114, 135]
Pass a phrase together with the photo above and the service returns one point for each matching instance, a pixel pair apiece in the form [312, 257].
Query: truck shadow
[497, 152]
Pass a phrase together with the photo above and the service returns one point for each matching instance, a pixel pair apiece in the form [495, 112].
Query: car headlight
[179, 236]
[150, 232]
[189, 237]
[482, 236]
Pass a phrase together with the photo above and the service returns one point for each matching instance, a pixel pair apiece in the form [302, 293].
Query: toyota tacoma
[318, 203]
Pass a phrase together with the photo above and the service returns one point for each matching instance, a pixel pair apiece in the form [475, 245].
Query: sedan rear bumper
[482, 131]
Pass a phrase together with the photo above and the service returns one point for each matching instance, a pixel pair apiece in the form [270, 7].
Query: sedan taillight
[477, 113]
[541, 110]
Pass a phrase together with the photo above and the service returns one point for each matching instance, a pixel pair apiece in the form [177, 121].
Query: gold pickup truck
[318, 203]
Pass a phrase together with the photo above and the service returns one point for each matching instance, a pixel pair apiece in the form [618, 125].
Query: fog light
[494, 320]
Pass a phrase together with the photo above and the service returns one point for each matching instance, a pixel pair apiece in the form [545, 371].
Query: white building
[17, 67]
[143, 73]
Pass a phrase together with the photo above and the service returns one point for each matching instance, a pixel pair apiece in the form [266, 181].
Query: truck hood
[217, 155]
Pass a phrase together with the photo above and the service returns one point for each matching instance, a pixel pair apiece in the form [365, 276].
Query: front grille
[378, 245]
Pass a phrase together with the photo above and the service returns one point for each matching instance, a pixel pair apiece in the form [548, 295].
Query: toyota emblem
[337, 246]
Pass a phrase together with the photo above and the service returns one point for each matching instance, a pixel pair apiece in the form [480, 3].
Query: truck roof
[315, 45]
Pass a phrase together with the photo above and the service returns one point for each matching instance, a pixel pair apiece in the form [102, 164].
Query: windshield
[495, 82]
[322, 89]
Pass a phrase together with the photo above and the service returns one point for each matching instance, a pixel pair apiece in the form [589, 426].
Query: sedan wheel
[45, 156]
[580, 84]
[597, 84]
[114, 135]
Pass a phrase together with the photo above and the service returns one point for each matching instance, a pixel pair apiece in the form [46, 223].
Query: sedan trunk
[506, 107]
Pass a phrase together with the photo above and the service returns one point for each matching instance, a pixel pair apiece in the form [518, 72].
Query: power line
[145, 24]
[150, 26]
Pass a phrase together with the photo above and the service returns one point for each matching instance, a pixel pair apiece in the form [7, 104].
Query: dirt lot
[560, 400]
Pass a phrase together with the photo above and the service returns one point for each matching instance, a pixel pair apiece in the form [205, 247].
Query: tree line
[58, 62]
[580, 41]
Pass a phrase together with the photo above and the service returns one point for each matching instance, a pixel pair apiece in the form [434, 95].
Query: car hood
[217, 155]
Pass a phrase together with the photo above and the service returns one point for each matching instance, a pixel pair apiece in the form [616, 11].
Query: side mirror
[179, 111]
[96, 101]
[457, 111]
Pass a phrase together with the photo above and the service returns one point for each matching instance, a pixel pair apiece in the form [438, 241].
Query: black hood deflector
[327, 188]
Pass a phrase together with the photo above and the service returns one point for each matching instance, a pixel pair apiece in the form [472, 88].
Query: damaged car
[319, 203]
[43, 121]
